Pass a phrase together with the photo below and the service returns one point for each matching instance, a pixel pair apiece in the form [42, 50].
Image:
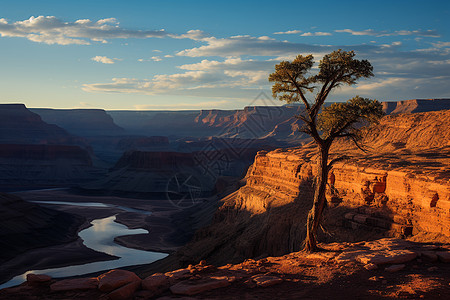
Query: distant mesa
[82, 122]
[18, 125]
[415, 105]
[34, 153]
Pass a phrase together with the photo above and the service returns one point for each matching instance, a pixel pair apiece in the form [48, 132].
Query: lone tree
[293, 82]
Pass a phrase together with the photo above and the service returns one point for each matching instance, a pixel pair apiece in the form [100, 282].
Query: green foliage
[292, 82]
[342, 119]
[292, 79]
[289, 78]
[343, 68]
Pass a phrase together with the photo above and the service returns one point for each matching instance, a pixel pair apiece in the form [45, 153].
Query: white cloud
[288, 32]
[319, 33]
[51, 30]
[248, 45]
[159, 84]
[231, 63]
[196, 35]
[104, 21]
[371, 32]
[104, 59]
[441, 44]
[207, 75]
[156, 58]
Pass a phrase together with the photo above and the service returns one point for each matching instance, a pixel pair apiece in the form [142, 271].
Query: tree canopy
[293, 82]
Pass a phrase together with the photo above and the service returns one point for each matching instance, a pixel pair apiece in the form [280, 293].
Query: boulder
[387, 257]
[444, 256]
[125, 292]
[116, 278]
[177, 274]
[265, 280]
[395, 268]
[156, 283]
[74, 284]
[429, 255]
[38, 279]
[371, 267]
[194, 287]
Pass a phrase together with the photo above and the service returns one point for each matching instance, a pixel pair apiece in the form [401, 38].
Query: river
[100, 237]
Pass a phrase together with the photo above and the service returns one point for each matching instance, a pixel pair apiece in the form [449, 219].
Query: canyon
[251, 182]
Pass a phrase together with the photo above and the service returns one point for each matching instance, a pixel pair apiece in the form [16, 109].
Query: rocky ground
[386, 268]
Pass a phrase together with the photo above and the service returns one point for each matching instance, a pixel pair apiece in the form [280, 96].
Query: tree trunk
[315, 214]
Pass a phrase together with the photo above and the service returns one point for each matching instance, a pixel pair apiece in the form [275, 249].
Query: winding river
[100, 237]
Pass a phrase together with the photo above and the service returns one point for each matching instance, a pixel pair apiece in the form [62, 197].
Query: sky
[152, 55]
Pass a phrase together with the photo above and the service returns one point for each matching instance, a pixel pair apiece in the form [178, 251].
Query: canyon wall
[37, 166]
[156, 172]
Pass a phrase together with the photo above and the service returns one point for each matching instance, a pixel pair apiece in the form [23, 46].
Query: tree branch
[299, 90]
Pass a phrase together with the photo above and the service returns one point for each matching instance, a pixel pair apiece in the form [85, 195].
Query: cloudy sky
[211, 54]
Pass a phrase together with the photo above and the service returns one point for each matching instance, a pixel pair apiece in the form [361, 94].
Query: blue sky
[211, 54]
